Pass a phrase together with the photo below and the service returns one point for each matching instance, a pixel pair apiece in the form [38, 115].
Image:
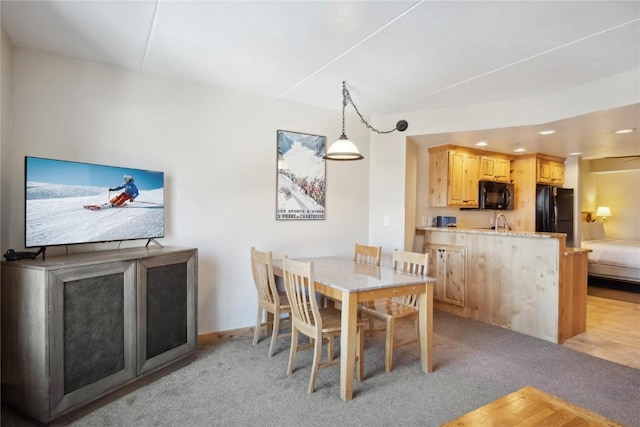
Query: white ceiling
[396, 56]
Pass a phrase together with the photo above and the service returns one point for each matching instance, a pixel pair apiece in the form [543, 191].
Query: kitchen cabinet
[529, 283]
[463, 179]
[453, 178]
[448, 264]
[78, 327]
[550, 172]
[495, 169]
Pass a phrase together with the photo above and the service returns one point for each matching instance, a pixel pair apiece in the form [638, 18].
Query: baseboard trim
[213, 337]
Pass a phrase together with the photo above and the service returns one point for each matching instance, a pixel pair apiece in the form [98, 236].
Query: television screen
[70, 202]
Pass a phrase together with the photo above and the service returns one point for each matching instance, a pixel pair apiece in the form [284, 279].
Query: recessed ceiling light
[547, 132]
[520, 150]
[621, 131]
[482, 144]
[576, 154]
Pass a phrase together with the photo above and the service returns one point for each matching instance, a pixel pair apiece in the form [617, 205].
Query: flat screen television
[70, 203]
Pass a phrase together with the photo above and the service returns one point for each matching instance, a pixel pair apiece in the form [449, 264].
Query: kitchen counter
[491, 231]
[527, 282]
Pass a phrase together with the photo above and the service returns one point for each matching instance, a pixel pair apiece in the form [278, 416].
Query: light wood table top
[531, 407]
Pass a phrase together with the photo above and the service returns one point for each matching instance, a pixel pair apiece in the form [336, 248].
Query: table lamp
[604, 212]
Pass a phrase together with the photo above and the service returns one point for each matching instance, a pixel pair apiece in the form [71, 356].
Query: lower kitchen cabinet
[448, 264]
[79, 327]
[529, 283]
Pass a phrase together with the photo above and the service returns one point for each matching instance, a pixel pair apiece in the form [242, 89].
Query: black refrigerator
[554, 211]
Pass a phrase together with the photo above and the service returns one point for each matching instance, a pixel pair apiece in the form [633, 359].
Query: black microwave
[495, 195]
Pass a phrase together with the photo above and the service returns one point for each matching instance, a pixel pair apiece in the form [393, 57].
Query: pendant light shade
[343, 149]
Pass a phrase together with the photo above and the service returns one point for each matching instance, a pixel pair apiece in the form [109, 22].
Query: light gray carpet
[233, 383]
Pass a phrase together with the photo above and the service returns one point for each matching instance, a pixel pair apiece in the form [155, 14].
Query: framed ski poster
[300, 186]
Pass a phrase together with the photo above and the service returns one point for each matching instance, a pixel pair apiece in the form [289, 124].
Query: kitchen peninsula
[523, 281]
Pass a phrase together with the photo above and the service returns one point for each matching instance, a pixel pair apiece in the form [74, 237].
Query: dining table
[350, 283]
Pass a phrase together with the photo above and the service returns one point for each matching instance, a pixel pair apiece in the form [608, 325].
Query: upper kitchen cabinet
[453, 177]
[493, 168]
[550, 171]
[454, 173]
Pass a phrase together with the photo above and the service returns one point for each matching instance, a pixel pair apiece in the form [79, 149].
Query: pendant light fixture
[343, 149]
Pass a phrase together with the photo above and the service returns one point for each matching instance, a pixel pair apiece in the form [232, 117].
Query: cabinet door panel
[463, 179]
[495, 169]
[557, 173]
[448, 264]
[544, 172]
[434, 252]
[93, 330]
[471, 180]
[92, 333]
[167, 304]
[456, 267]
[503, 170]
[166, 308]
[487, 168]
[457, 179]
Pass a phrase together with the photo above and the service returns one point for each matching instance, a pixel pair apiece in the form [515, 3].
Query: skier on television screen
[130, 191]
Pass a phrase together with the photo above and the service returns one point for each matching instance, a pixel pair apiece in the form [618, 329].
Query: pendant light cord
[346, 99]
[345, 96]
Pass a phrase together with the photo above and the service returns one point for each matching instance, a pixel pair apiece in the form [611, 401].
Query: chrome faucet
[506, 225]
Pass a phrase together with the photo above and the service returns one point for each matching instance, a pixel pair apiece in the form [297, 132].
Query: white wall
[217, 148]
[388, 151]
[621, 192]
[617, 186]
[5, 96]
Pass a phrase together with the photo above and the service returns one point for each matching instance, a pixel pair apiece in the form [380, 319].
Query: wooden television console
[80, 327]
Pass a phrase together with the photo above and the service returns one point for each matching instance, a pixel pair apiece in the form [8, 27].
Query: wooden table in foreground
[530, 407]
[350, 283]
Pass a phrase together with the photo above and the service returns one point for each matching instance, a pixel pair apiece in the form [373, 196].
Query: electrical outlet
[387, 221]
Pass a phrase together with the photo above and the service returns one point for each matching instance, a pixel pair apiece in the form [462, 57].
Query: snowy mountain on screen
[41, 190]
[55, 215]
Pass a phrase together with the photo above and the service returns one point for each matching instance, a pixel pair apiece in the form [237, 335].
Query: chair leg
[360, 353]
[256, 333]
[388, 346]
[274, 334]
[330, 351]
[292, 351]
[317, 353]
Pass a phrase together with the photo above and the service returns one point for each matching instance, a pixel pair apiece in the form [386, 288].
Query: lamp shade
[603, 211]
[343, 149]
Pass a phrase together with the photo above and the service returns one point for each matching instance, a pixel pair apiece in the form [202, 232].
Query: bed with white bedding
[611, 258]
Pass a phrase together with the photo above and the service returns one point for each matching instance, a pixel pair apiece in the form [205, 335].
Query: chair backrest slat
[410, 263]
[263, 277]
[369, 255]
[300, 289]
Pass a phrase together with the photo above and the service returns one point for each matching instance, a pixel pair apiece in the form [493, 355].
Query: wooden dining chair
[390, 309]
[319, 324]
[271, 302]
[369, 255]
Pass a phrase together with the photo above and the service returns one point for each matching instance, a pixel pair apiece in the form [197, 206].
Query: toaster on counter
[445, 221]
